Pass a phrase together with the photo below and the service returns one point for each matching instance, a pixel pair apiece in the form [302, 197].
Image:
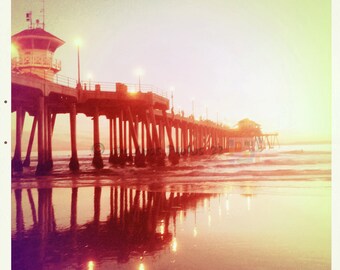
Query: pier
[144, 130]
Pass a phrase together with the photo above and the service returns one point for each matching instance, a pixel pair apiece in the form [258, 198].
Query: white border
[335, 134]
[5, 135]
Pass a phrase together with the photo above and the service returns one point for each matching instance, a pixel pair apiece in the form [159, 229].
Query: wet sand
[263, 211]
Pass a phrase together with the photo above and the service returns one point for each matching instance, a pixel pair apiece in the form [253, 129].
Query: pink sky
[266, 60]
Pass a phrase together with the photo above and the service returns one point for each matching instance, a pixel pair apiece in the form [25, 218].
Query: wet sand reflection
[137, 224]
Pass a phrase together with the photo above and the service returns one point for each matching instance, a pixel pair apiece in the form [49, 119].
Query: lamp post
[172, 98]
[139, 72]
[77, 42]
[139, 83]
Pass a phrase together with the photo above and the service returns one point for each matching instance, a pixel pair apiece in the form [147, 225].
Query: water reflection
[131, 228]
[138, 223]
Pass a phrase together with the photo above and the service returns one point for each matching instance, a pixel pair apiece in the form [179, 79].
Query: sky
[269, 61]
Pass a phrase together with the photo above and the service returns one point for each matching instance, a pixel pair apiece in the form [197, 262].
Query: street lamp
[139, 72]
[78, 43]
[172, 98]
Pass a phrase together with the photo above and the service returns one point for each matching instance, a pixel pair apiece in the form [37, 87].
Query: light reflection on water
[127, 228]
[264, 210]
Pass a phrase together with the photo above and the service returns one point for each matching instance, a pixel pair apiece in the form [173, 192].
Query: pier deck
[142, 130]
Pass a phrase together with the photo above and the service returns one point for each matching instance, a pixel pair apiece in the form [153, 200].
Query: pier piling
[97, 161]
[74, 163]
[27, 160]
[17, 165]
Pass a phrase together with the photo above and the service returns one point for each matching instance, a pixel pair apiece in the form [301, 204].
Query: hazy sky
[268, 60]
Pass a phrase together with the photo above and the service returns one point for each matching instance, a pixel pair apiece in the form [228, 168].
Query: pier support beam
[196, 139]
[115, 134]
[111, 140]
[143, 137]
[160, 155]
[190, 133]
[139, 158]
[74, 163]
[185, 139]
[130, 158]
[121, 159]
[30, 144]
[43, 145]
[125, 137]
[97, 161]
[16, 161]
[49, 163]
[150, 151]
[177, 140]
[41, 142]
[54, 117]
[173, 156]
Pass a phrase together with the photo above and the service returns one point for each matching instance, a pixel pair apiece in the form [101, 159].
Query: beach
[248, 210]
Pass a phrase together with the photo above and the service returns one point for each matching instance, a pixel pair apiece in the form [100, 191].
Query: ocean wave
[307, 152]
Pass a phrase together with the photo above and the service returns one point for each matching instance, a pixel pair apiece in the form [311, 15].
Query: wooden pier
[142, 128]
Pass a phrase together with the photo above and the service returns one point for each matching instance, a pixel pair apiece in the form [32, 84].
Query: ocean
[249, 210]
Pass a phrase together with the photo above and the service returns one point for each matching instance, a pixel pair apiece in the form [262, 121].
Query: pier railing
[36, 61]
[90, 85]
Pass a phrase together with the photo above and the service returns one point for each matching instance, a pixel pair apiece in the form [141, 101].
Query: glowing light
[132, 89]
[162, 227]
[209, 220]
[141, 266]
[14, 51]
[90, 265]
[227, 205]
[174, 244]
[181, 216]
[78, 42]
[195, 231]
[219, 211]
[205, 204]
[248, 203]
[139, 72]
